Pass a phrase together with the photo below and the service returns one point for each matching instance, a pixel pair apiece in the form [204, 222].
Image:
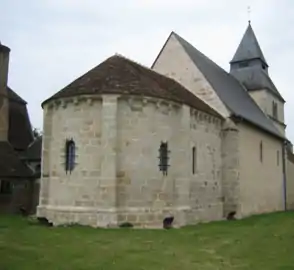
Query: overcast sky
[54, 41]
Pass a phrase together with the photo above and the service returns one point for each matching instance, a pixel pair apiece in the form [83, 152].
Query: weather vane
[249, 14]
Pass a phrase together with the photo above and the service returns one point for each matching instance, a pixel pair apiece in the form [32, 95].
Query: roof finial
[249, 14]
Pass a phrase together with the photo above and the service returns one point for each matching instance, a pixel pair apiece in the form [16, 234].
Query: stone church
[182, 139]
[125, 143]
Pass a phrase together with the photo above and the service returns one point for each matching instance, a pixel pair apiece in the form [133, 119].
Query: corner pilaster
[182, 183]
[109, 145]
[230, 169]
[45, 165]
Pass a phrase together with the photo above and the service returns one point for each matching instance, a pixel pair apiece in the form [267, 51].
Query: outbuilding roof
[34, 151]
[10, 164]
[20, 133]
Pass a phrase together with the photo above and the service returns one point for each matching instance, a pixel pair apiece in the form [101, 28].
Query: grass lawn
[263, 242]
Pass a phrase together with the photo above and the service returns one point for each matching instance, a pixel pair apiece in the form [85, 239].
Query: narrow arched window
[163, 157]
[70, 155]
[194, 160]
[261, 151]
[278, 157]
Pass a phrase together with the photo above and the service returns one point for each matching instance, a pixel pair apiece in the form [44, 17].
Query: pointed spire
[248, 48]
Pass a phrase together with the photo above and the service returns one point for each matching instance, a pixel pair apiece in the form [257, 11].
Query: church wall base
[139, 217]
[85, 216]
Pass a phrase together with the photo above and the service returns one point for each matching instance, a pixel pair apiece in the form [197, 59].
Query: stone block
[125, 167]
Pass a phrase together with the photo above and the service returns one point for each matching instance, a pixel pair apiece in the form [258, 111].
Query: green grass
[261, 242]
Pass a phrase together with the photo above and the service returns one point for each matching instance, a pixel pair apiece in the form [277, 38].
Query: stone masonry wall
[174, 62]
[264, 100]
[145, 196]
[230, 168]
[70, 197]
[45, 161]
[205, 187]
[117, 177]
[290, 182]
[261, 182]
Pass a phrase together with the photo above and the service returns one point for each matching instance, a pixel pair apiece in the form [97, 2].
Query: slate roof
[229, 90]
[248, 48]
[255, 78]
[34, 150]
[20, 133]
[118, 75]
[291, 156]
[10, 164]
[15, 97]
[4, 48]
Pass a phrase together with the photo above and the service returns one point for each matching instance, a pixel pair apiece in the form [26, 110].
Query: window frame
[194, 159]
[164, 158]
[70, 155]
[261, 151]
[278, 158]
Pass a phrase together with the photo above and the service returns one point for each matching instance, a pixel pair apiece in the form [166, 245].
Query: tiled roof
[15, 97]
[34, 150]
[118, 75]
[10, 163]
[20, 131]
[255, 78]
[230, 91]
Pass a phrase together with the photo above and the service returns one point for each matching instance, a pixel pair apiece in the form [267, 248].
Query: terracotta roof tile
[118, 75]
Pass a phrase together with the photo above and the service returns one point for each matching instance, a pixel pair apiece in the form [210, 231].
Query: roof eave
[248, 59]
[236, 117]
[268, 89]
[45, 102]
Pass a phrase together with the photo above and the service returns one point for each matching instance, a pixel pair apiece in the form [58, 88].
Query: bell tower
[4, 63]
[250, 67]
